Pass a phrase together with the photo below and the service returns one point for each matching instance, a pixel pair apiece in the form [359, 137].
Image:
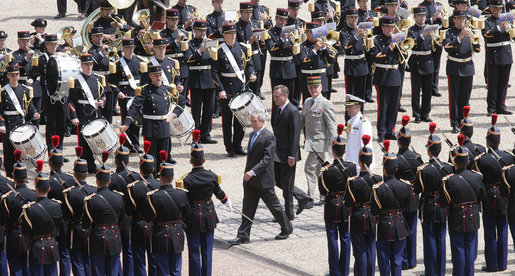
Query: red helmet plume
[494, 119]
[78, 151]
[405, 120]
[461, 139]
[366, 139]
[55, 141]
[466, 111]
[340, 129]
[163, 154]
[146, 146]
[386, 145]
[39, 165]
[105, 156]
[196, 135]
[432, 128]
[122, 139]
[17, 155]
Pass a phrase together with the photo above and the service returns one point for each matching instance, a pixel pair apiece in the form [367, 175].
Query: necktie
[253, 139]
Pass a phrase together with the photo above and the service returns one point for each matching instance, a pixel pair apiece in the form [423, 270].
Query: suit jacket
[319, 123]
[260, 160]
[286, 126]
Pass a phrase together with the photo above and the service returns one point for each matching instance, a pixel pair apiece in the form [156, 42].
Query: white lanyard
[128, 73]
[239, 73]
[155, 62]
[14, 99]
[86, 89]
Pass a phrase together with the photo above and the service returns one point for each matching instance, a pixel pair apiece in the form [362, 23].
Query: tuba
[141, 16]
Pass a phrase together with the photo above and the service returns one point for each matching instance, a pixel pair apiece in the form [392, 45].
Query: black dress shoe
[426, 119]
[116, 112]
[302, 204]
[309, 204]
[66, 160]
[455, 129]
[370, 100]
[391, 137]
[238, 241]
[231, 154]
[436, 94]
[216, 115]
[417, 120]
[172, 161]
[240, 152]
[284, 234]
[333, 90]
[505, 112]
[261, 96]
[208, 140]
[402, 109]
[486, 269]
[59, 16]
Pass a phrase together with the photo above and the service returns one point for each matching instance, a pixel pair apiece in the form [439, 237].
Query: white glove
[228, 204]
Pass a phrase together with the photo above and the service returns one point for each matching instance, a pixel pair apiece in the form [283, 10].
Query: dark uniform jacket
[201, 184]
[231, 85]
[10, 211]
[498, 55]
[118, 82]
[383, 54]
[7, 117]
[102, 211]
[38, 74]
[214, 23]
[155, 101]
[81, 109]
[73, 212]
[508, 183]
[121, 179]
[243, 34]
[310, 60]
[170, 67]
[357, 199]
[260, 159]
[280, 48]
[257, 12]
[429, 185]
[332, 183]
[199, 78]
[100, 61]
[473, 149]
[407, 170]
[491, 169]
[169, 208]
[185, 14]
[353, 46]
[420, 64]
[3, 75]
[174, 50]
[431, 10]
[105, 22]
[20, 56]
[286, 127]
[329, 6]
[41, 220]
[4, 188]
[459, 49]
[59, 182]
[135, 204]
[389, 198]
[463, 191]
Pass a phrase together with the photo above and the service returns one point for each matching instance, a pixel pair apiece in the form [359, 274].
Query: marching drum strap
[125, 67]
[232, 61]
[14, 99]
[165, 78]
[86, 89]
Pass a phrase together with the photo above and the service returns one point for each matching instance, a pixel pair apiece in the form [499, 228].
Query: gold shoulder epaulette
[505, 168]
[479, 156]
[89, 197]
[120, 193]
[447, 177]
[182, 189]
[218, 176]
[68, 189]
[406, 181]
[56, 200]
[4, 196]
[363, 119]
[480, 174]
[352, 178]
[375, 186]
[27, 205]
[421, 167]
[130, 185]
[150, 193]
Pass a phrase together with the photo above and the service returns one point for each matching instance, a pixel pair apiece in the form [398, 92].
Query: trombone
[402, 44]
[145, 38]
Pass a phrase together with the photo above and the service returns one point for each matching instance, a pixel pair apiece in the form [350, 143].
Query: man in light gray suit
[318, 120]
[259, 181]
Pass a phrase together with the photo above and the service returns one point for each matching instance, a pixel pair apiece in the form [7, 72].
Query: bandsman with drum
[101, 67]
[86, 96]
[16, 109]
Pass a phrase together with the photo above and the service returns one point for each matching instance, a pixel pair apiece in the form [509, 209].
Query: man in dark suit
[258, 181]
[286, 126]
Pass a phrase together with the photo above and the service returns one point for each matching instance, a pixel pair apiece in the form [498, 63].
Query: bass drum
[58, 69]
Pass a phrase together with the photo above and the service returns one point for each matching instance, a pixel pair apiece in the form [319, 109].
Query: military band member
[329, 9]
[367, 15]
[86, 97]
[508, 178]
[389, 198]
[16, 243]
[168, 208]
[215, 20]
[281, 56]
[123, 83]
[463, 191]
[421, 67]
[108, 21]
[261, 19]
[332, 183]
[174, 35]
[135, 204]
[300, 24]
[169, 65]
[3, 53]
[101, 67]
[200, 185]
[100, 218]
[387, 78]
[38, 38]
[202, 87]
[428, 183]
[357, 126]
[362, 222]
[467, 129]
[460, 66]
[187, 14]
[16, 108]
[499, 59]
[318, 17]
[231, 71]
[23, 56]
[490, 165]
[73, 211]
[40, 222]
[356, 65]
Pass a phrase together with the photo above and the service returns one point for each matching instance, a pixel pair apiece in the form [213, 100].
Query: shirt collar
[259, 131]
[284, 105]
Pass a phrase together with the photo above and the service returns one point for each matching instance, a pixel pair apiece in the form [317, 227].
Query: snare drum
[138, 119]
[29, 141]
[58, 69]
[100, 136]
[244, 105]
[182, 125]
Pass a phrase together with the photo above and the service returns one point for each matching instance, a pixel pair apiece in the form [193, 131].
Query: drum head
[94, 127]
[22, 133]
[241, 100]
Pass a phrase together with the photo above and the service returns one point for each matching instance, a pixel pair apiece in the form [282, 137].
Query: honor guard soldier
[186, 14]
[362, 222]
[280, 46]
[40, 222]
[174, 36]
[15, 109]
[109, 21]
[135, 204]
[300, 24]
[155, 103]
[463, 190]
[367, 15]
[421, 66]
[262, 20]
[38, 37]
[387, 78]
[408, 162]
[467, 129]
[508, 177]
[86, 96]
[499, 59]
[123, 81]
[73, 210]
[314, 57]
[16, 244]
[202, 87]
[357, 126]
[332, 183]
[233, 68]
[101, 67]
[215, 20]
[428, 183]
[4, 188]
[4, 51]
[100, 219]
[245, 34]
[167, 208]
[200, 185]
[389, 198]
[460, 45]
[490, 165]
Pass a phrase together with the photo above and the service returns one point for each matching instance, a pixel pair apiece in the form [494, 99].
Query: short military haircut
[283, 88]
[260, 115]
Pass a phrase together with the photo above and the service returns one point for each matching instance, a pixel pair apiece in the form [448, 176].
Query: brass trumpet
[332, 37]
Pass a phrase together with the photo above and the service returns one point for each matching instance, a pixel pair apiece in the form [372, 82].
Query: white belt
[83, 101]
[103, 73]
[176, 55]
[462, 60]
[155, 117]
[11, 113]
[202, 67]
[315, 71]
[229, 75]
[421, 53]
[498, 44]
[281, 58]
[255, 52]
[23, 78]
[387, 66]
[127, 82]
[355, 57]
